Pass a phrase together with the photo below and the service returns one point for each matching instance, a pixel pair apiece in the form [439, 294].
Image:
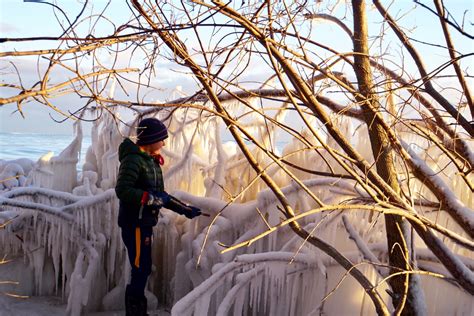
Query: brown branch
[43, 92]
[424, 74]
[79, 48]
[452, 52]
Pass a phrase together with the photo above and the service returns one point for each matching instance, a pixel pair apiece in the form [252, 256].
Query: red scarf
[159, 159]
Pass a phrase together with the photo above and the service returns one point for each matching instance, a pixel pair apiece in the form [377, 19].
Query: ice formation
[63, 239]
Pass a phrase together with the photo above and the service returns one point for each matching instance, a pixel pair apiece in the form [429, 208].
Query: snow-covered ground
[50, 306]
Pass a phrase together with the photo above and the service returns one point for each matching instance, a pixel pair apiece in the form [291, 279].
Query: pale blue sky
[20, 19]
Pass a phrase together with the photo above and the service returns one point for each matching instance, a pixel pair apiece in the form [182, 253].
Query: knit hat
[151, 130]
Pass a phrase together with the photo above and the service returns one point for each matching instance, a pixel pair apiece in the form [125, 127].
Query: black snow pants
[138, 243]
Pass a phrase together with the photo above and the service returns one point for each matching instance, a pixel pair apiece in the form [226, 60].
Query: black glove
[193, 212]
[179, 207]
[158, 199]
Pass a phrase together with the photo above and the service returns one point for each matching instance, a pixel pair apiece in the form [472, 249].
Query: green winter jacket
[138, 173]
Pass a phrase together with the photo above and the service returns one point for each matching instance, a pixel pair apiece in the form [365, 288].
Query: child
[140, 189]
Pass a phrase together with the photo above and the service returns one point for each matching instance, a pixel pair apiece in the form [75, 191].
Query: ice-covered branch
[50, 210]
[450, 202]
[421, 222]
[366, 252]
[191, 302]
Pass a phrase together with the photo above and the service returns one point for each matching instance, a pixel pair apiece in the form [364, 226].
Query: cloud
[6, 28]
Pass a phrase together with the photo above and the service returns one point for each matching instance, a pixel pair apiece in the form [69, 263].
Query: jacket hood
[127, 147]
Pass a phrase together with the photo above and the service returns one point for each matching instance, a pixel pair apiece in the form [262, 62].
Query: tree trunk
[406, 291]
